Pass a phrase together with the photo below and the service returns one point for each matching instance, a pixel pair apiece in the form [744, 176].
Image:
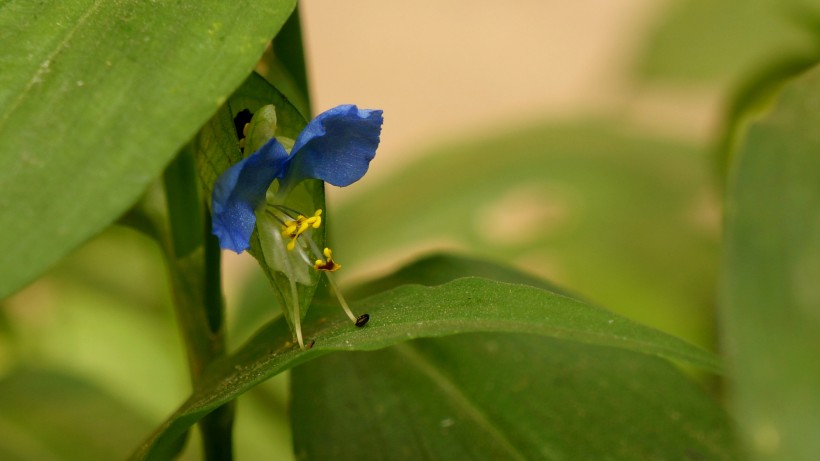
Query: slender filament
[295, 314]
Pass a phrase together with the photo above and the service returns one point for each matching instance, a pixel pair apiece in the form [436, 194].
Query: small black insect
[362, 320]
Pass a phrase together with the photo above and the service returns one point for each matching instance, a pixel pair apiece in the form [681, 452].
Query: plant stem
[193, 260]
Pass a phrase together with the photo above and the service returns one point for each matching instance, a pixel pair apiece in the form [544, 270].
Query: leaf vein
[44, 67]
[458, 398]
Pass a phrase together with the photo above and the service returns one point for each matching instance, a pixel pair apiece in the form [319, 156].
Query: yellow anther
[316, 219]
[293, 229]
[328, 265]
[303, 226]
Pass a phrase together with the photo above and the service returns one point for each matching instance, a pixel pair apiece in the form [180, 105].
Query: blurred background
[528, 134]
[573, 140]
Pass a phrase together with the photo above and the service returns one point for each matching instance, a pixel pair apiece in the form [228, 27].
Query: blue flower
[336, 147]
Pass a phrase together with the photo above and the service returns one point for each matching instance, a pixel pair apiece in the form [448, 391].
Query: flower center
[296, 227]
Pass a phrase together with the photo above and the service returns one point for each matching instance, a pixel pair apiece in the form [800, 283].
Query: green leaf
[751, 99]
[409, 312]
[700, 40]
[48, 416]
[771, 295]
[502, 396]
[436, 269]
[95, 98]
[285, 64]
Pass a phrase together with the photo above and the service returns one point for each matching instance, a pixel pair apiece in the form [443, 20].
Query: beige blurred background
[448, 69]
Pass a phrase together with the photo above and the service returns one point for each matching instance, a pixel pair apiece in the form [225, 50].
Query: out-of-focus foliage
[48, 415]
[771, 298]
[717, 42]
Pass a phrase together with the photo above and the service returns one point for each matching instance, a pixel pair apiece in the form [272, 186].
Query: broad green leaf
[45, 415]
[502, 396]
[627, 220]
[717, 41]
[409, 312]
[361, 396]
[771, 295]
[95, 98]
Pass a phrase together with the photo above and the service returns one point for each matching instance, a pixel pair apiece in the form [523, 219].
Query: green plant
[117, 118]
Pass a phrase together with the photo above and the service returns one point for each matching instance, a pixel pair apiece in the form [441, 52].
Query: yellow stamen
[293, 229]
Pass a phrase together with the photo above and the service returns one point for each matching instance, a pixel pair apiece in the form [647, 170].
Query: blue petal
[337, 146]
[240, 190]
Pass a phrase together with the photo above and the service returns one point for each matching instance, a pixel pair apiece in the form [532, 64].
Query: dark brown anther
[310, 344]
[362, 320]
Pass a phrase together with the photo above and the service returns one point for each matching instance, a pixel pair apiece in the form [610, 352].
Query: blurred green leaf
[627, 220]
[103, 314]
[95, 99]
[502, 396]
[110, 324]
[436, 269]
[717, 41]
[413, 311]
[45, 415]
[284, 64]
[771, 295]
[751, 99]
[262, 428]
